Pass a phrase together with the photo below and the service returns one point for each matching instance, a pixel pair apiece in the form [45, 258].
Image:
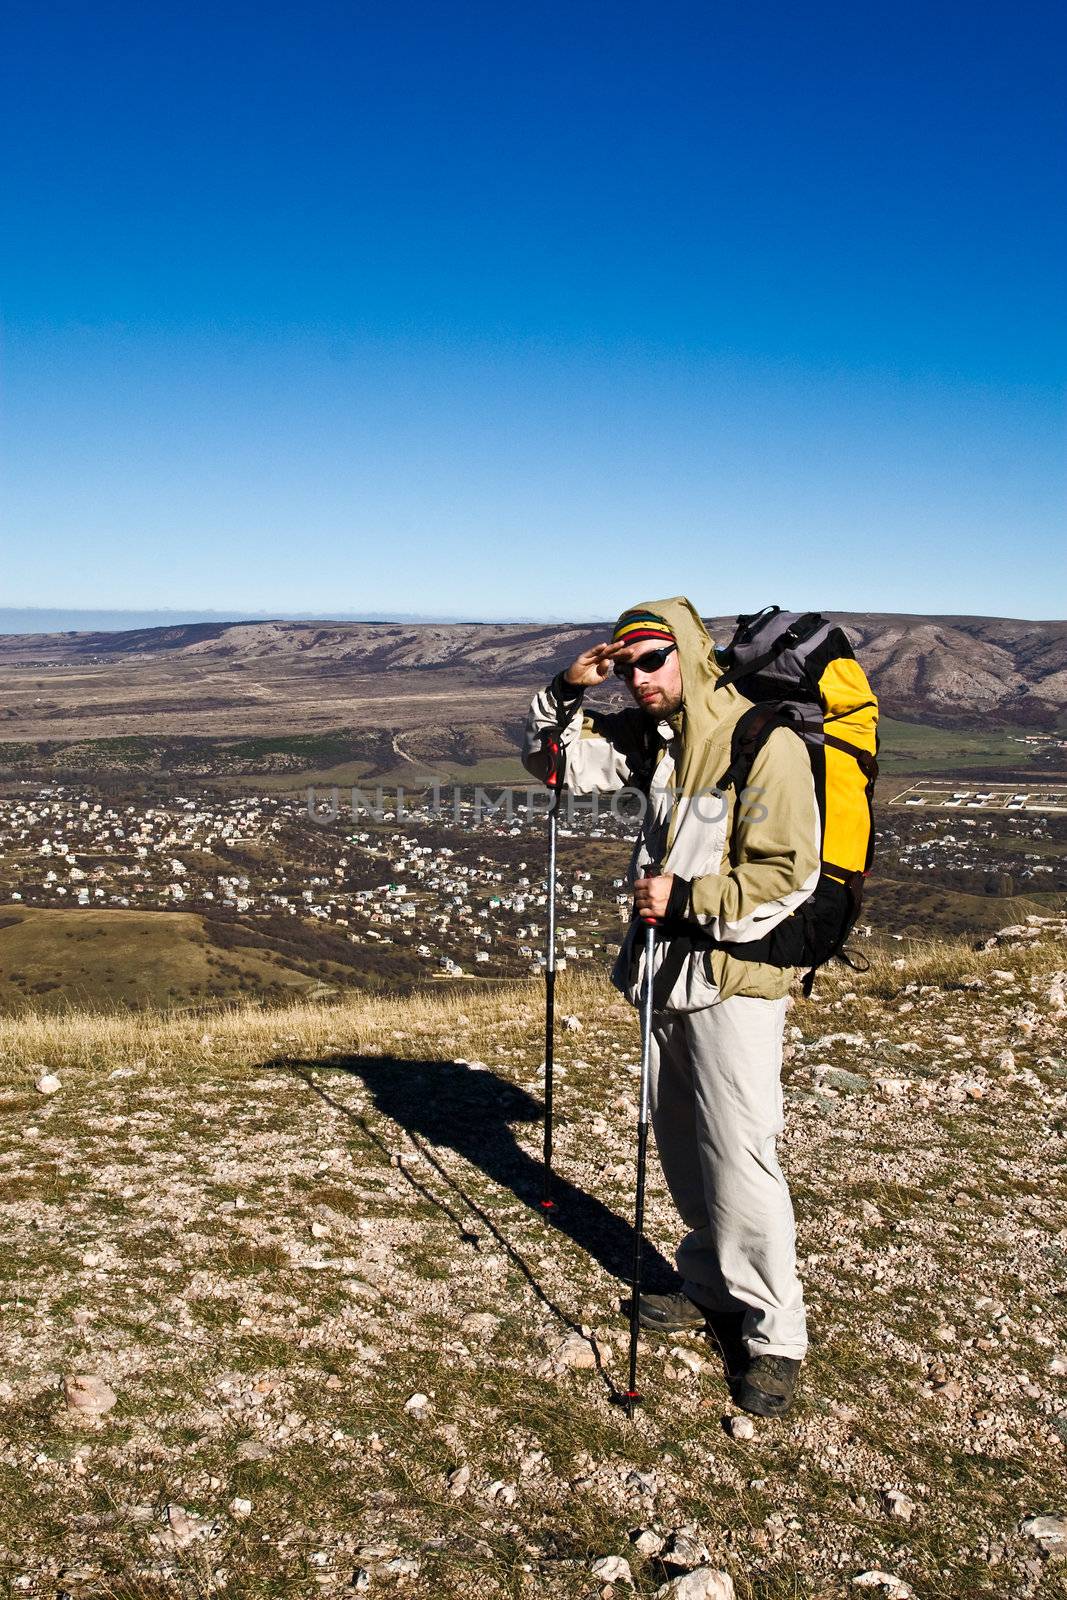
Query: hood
[708, 713]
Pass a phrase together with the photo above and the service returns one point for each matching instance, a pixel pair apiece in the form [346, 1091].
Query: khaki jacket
[740, 882]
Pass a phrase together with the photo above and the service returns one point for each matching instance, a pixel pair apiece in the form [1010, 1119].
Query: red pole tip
[632, 1394]
[548, 1205]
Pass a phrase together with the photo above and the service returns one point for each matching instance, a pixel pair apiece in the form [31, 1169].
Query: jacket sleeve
[778, 841]
[602, 751]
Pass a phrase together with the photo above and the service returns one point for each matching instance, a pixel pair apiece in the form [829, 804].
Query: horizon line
[170, 617]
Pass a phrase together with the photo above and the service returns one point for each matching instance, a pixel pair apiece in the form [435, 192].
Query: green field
[346, 756]
[909, 747]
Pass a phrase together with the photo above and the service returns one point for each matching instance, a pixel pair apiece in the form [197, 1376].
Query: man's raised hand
[594, 665]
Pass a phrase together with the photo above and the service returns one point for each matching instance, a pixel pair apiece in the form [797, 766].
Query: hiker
[704, 875]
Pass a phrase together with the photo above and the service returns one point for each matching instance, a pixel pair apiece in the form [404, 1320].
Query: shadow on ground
[447, 1104]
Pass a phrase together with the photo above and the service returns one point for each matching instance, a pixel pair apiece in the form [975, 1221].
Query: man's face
[659, 692]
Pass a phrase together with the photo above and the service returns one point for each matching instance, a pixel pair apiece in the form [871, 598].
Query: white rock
[253, 1450]
[892, 1088]
[574, 1025]
[647, 1542]
[1006, 1061]
[1049, 1532]
[613, 1569]
[690, 1359]
[575, 1353]
[241, 1508]
[48, 1083]
[896, 1588]
[88, 1395]
[319, 1230]
[183, 1528]
[459, 1481]
[482, 1324]
[417, 1405]
[898, 1505]
[684, 1549]
[740, 1428]
[703, 1583]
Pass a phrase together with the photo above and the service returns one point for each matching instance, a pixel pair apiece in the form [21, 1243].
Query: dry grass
[246, 1034]
[243, 1034]
[948, 963]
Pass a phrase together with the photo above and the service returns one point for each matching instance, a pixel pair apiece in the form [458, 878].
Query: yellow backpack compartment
[850, 738]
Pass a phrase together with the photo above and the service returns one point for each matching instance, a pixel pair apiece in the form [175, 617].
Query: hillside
[301, 1251]
[296, 696]
[51, 960]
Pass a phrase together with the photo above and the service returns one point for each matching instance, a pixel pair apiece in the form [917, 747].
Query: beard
[665, 705]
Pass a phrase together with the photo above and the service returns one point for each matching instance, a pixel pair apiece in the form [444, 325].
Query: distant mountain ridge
[65, 619]
[941, 668]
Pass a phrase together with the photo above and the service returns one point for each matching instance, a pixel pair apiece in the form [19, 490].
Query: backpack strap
[749, 622]
[751, 732]
[863, 758]
[644, 764]
[850, 711]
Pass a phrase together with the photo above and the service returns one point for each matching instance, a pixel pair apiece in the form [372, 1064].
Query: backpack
[802, 673]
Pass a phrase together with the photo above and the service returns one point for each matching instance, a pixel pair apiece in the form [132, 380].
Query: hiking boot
[670, 1313]
[767, 1385]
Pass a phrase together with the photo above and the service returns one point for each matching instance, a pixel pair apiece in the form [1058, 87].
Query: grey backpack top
[781, 655]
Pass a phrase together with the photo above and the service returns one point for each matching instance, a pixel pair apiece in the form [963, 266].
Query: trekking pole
[632, 1396]
[554, 785]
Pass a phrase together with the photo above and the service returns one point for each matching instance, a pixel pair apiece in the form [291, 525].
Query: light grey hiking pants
[716, 1113]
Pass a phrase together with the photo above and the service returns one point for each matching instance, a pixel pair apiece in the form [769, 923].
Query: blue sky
[498, 311]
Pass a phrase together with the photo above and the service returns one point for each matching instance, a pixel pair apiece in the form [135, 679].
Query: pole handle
[650, 921]
[554, 752]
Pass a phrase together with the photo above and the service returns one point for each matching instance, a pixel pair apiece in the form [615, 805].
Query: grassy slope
[53, 959]
[255, 1358]
[907, 905]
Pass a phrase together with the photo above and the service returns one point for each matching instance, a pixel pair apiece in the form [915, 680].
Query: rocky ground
[282, 1316]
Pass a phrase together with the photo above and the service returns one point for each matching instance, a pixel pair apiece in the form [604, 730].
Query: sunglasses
[651, 661]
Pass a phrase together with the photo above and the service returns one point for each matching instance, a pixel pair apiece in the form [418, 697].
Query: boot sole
[671, 1327]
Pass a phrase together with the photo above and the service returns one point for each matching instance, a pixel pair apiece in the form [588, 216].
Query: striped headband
[641, 627]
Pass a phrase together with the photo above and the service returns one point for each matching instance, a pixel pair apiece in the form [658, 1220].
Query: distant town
[431, 892]
[452, 897]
